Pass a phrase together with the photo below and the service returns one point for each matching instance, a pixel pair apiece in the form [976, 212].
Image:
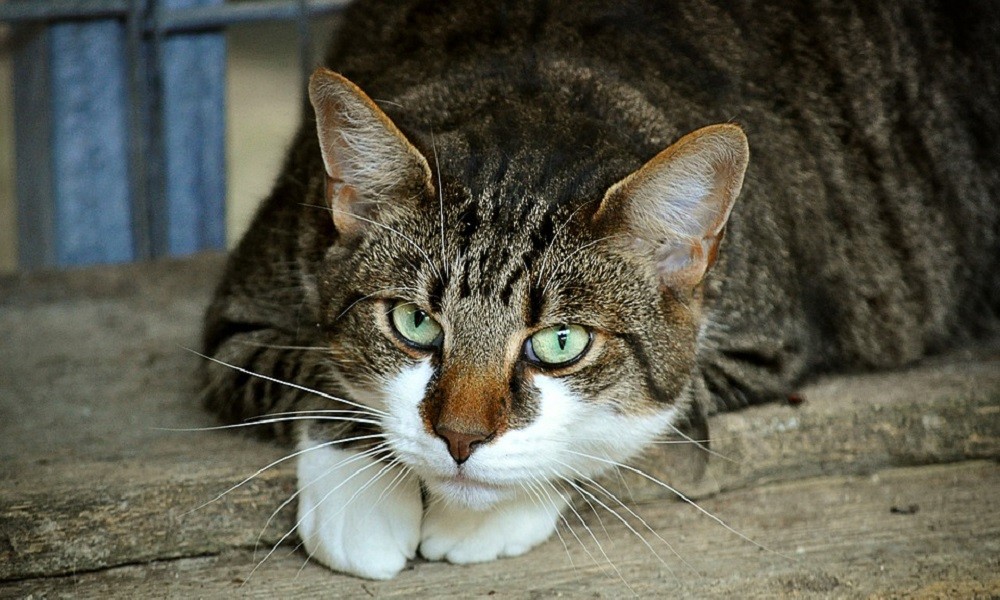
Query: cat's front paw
[355, 514]
[460, 535]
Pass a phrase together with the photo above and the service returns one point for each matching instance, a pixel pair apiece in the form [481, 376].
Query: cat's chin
[470, 493]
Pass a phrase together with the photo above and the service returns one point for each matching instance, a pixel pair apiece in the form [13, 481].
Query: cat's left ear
[675, 207]
[369, 162]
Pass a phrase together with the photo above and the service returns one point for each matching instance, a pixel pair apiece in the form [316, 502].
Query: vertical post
[72, 144]
[36, 245]
[139, 97]
[191, 127]
[305, 49]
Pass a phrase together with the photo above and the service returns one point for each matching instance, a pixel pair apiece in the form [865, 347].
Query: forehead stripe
[632, 341]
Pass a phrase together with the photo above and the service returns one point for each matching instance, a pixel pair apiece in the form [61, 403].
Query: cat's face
[510, 340]
[537, 349]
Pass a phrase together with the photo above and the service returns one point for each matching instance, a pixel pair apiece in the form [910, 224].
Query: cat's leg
[253, 373]
[462, 535]
[745, 370]
[357, 514]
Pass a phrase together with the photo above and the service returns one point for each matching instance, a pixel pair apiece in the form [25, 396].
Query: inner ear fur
[675, 207]
[368, 160]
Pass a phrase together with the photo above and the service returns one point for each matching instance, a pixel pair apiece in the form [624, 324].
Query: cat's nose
[461, 444]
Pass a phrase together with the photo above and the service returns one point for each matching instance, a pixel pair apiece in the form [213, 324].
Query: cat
[506, 252]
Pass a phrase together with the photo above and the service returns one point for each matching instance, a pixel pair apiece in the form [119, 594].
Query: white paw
[355, 515]
[462, 535]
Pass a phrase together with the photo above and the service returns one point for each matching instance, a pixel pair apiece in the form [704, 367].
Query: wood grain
[96, 495]
[827, 537]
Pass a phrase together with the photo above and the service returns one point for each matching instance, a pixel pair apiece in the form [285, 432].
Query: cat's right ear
[368, 161]
[674, 209]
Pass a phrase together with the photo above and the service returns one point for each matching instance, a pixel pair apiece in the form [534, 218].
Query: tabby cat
[494, 261]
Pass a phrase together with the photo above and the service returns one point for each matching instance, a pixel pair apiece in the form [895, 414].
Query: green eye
[415, 325]
[557, 345]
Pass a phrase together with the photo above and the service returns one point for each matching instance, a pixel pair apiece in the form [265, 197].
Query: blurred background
[263, 95]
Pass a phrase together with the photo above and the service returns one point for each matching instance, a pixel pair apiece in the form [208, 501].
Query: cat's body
[866, 236]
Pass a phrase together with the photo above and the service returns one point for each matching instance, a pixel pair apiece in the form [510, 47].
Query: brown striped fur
[867, 235]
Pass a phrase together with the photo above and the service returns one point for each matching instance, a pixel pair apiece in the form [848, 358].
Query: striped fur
[867, 235]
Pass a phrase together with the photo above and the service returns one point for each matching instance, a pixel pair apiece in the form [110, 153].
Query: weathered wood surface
[837, 537]
[96, 495]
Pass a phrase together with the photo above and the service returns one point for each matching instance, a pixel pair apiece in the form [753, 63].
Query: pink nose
[460, 444]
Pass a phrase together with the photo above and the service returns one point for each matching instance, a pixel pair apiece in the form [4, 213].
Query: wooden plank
[94, 365]
[944, 411]
[828, 537]
[106, 521]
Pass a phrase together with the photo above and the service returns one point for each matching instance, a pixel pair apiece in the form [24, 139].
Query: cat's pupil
[418, 318]
[562, 336]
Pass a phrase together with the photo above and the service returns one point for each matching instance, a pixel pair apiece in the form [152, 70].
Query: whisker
[559, 230]
[343, 507]
[624, 484]
[680, 495]
[308, 412]
[252, 344]
[397, 478]
[287, 383]
[376, 293]
[300, 489]
[396, 481]
[591, 482]
[600, 521]
[389, 102]
[288, 533]
[600, 546]
[265, 421]
[702, 445]
[570, 528]
[432, 500]
[622, 519]
[278, 462]
[440, 191]
[571, 255]
[537, 500]
[387, 228]
[542, 486]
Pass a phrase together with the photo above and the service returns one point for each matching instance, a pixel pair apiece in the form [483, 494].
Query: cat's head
[512, 338]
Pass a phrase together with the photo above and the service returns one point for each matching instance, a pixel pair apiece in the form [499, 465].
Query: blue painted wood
[72, 146]
[192, 124]
[117, 161]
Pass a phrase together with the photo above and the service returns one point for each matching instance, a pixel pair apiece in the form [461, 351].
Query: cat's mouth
[474, 493]
[461, 479]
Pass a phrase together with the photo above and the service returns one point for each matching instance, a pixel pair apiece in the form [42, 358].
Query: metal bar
[155, 166]
[207, 17]
[36, 246]
[305, 47]
[138, 96]
[177, 20]
[61, 10]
